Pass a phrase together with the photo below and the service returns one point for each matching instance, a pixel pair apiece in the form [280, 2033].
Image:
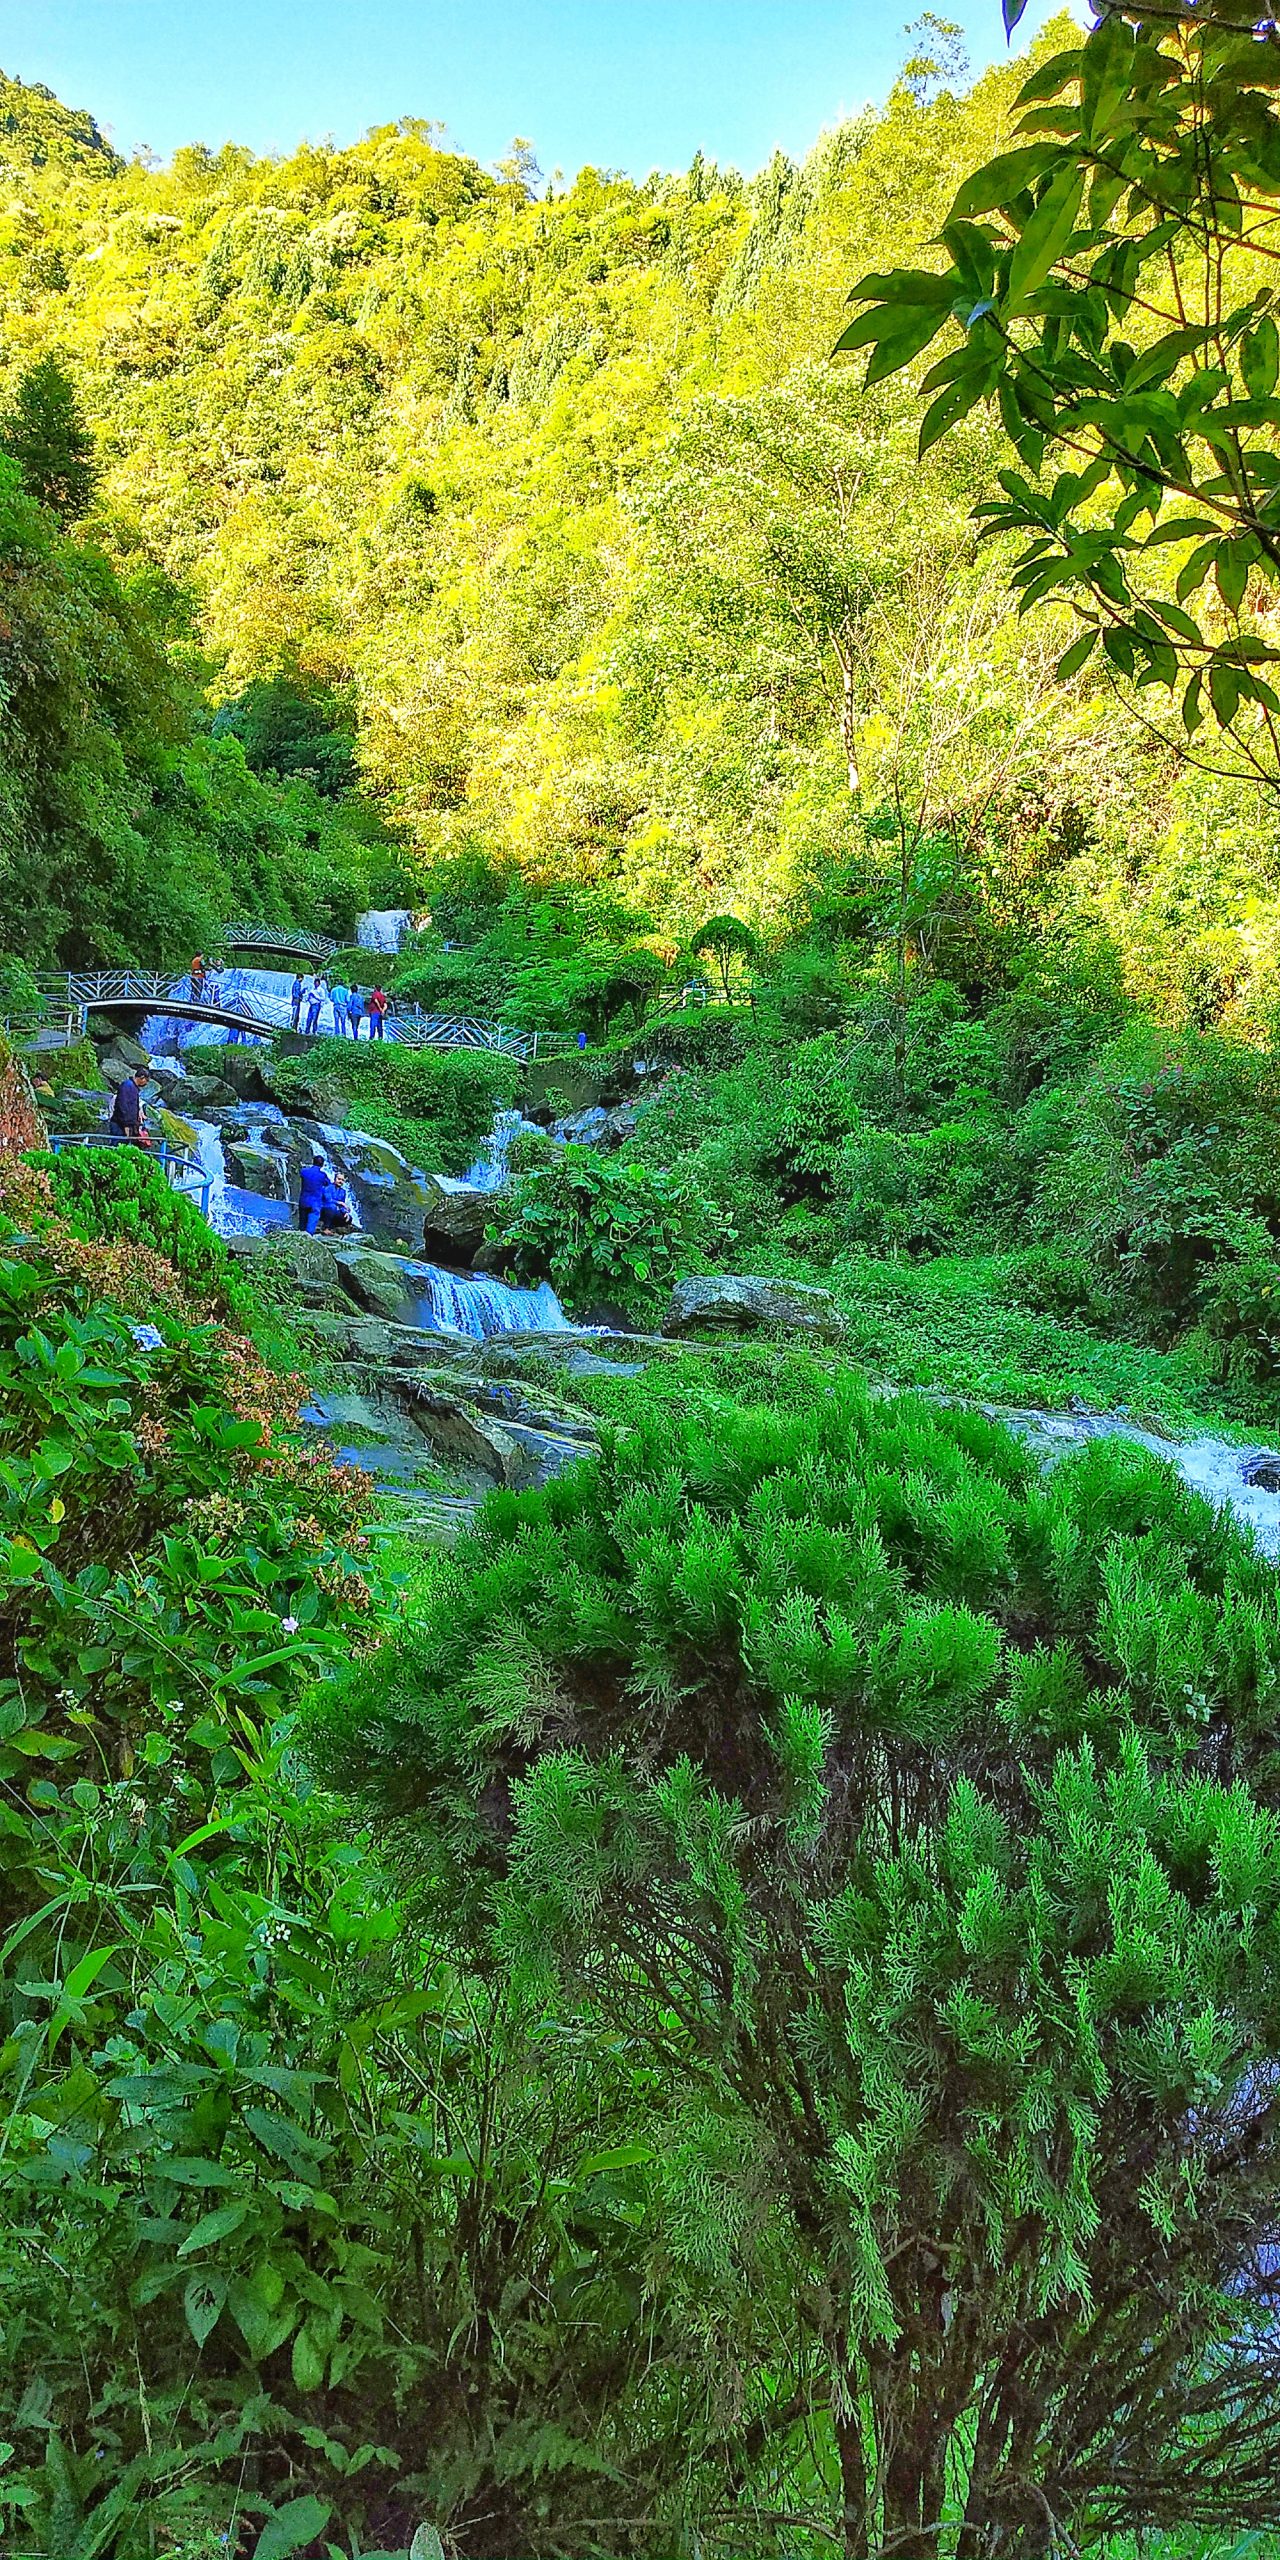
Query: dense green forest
[696, 1977]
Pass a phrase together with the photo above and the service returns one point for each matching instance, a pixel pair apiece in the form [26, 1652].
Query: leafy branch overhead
[1112, 281]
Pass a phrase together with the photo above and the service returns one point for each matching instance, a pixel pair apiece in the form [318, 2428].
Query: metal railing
[284, 938]
[155, 991]
[182, 1171]
[44, 1026]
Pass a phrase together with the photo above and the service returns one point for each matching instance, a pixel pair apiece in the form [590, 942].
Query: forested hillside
[560, 496]
[639, 1618]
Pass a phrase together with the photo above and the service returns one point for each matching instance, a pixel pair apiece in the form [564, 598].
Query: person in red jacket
[378, 1002]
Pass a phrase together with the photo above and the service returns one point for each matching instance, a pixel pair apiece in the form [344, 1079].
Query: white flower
[290, 1625]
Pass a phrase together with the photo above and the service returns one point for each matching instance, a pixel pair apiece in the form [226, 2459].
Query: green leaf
[217, 2225]
[1260, 359]
[202, 2303]
[1045, 235]
[1072, 659]
[292, 2527]
[1192, 714]
[1003, 178]
[1231, 571]
[952, 404]
[308, 2361]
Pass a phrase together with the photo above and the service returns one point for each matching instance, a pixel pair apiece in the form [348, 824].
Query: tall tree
[45, 434]
[1112, 279]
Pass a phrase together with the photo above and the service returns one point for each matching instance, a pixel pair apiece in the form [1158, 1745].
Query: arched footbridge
[77, 993]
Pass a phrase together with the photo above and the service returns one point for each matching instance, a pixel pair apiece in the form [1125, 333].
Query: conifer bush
[912, 1819]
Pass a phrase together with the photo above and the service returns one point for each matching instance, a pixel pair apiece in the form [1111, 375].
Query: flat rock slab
[738, 1302]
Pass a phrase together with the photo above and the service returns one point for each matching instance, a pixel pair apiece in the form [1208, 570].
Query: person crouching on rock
[127, 1120]
[311, 1194]
[335, 1208]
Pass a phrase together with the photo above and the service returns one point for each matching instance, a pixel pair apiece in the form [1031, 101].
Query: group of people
[323, 1202]
[309, 996]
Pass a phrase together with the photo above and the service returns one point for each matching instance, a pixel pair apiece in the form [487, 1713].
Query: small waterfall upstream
[493, 1164]
[382, 928]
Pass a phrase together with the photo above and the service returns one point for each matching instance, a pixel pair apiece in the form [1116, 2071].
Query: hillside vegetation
[691, 1967]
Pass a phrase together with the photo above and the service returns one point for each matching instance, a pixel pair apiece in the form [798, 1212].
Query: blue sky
[628, 84]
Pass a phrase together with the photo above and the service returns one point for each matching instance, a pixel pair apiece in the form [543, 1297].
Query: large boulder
[738, 1303]
[255, 1168]
[598, 1127]
[519, 1440]
[455, 1216]
[195, 1094]
[121, 1053]
[381, 1283]
[240, 1067]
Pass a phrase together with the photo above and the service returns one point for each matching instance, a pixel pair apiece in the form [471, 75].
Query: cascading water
[271, 993]
[472, 1303]
[235, 1211]
[493, 1164]
[382, 928]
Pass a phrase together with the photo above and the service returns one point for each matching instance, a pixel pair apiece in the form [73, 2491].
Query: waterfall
[381, 928]
[167, 1034]
[472, 1303]
[492, 1166]
[234, 1211]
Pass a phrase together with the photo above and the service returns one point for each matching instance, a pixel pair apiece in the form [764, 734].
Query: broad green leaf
[951, 405]
[1260, 359]
[1003, 178]
[1072, 659]
[217, 2225]
[292, 2527]
[202, 2302]
[1045, 236]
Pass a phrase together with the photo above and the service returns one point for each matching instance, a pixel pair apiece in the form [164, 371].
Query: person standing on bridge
[295, 998]
[338, 997]
[378, 1003]
[355, 1007]
[198, 976]
[127, 1124]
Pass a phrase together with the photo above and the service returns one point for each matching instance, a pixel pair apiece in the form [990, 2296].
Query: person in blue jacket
[335, 1207]
[311, 1194]
[355, 1008]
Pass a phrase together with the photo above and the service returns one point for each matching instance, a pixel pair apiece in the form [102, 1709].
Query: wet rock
[598, 1127]
[121, 1054]
[241, 1069]
[374, 1342]
[471, 1438]
[1261, 1467]
[176, 1132]
[379, 1282]
[739, 1303]
[455, 1216]
[518, 1439]
[255, 1168]
[196, 1093]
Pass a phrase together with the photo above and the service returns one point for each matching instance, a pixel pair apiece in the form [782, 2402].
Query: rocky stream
[448, 1379]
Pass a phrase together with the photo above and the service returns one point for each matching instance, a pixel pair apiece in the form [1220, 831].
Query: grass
[950, 1325]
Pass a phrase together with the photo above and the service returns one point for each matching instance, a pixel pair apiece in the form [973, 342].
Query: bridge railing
[182, 1171]
[283, 938]
[156, 991]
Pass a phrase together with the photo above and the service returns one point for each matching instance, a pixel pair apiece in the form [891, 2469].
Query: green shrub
[455, 1093]
[116, 1194]
[74, 1065]
[915, 1818]
[603, 1226]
